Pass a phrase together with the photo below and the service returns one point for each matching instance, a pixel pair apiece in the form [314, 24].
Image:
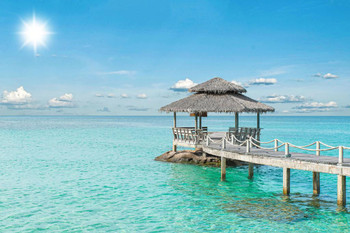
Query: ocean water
[78, 174]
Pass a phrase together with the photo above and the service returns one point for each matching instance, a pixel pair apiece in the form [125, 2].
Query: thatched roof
[229, 102]
[218, 86]
[217, 95]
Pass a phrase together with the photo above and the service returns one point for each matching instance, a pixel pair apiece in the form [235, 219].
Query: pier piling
[223, 168]
[286, 181]
[250, 171]
[341, 201]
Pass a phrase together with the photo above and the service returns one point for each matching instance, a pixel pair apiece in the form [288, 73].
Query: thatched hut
[217, 95]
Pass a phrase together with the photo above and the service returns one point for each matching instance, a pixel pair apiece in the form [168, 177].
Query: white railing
[250, 141]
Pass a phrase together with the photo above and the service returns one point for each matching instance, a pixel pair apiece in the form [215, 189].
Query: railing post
[341, 154]
[223, 145]
[318, 152]
[248, 146]
[232, 139]
[207, 142]
[250, 142]
[286, 151]
[276, 144]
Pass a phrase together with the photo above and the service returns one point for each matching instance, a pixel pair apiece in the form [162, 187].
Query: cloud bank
[263, 81]
[283, 99]
[316, 107]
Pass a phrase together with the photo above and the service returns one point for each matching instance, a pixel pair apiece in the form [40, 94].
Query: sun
[34, 33]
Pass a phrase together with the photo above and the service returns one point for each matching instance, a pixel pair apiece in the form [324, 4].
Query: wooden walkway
[246, 152]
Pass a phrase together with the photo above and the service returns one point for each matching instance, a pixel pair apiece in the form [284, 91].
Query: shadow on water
[244, 197]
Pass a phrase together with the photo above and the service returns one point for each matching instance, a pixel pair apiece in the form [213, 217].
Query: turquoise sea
[77, 174]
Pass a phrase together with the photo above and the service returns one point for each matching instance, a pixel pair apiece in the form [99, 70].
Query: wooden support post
[316, 175]
[258, 126]
[174, 147]
[250, 171]
[236, 120]
[196, 124]
[341, 201]
[174, 119]
[286, 181]
[200, 122]
[223, 168]
[316, 183]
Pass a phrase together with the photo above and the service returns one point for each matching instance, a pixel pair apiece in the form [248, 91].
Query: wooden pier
[251, 151]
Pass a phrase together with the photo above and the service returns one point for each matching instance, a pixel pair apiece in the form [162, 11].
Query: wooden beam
[174, 119]
[341, 200]
[236, 120]
[174, 147]
[250, 171]
[223, 168]
[200, 122]
[286, 181]
[258, 120]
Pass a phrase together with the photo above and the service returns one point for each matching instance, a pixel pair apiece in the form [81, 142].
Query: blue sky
[123, 57]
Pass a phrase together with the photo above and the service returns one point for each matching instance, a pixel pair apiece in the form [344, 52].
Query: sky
[133, 57]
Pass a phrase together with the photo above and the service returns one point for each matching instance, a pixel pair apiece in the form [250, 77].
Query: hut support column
[174, 146]
[286, 181]
[341, 200]
[223, 168]
[200, 122]
[196, 123]
[258, 125]
[250, 171]
[236, 120]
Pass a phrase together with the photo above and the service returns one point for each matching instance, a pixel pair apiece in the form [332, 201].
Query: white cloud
[283, 99]
[64, 101]
[111, 96]
[263, 81]
[330, 76]
[124, 96]
[183, 85]
[99, 95]
[118, 72]
[237, 83]
[316, 107]
[142, 96]
[326, 76]
[104, 109]
[17, 97]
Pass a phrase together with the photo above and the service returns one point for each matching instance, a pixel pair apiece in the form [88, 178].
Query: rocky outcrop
[194, 157]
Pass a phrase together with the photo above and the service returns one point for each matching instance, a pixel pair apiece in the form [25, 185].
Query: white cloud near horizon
[316, 107]
[17, 97]
[99, 95]
[111, 96]
[283, 99]
[124, 96]
[64, 101]
[118, 72]
[263, 81]
[183, 85]
[326, 76]
[142, 96]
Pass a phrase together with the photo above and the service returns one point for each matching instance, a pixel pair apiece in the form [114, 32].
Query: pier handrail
[251, 141]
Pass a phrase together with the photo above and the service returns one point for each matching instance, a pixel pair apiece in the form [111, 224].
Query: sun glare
[34, 33]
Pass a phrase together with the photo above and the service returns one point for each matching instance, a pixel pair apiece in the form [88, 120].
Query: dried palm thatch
[206, 102]
[217, 95]
[217, 86]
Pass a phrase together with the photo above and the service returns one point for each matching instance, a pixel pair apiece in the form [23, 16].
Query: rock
[194, 157]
